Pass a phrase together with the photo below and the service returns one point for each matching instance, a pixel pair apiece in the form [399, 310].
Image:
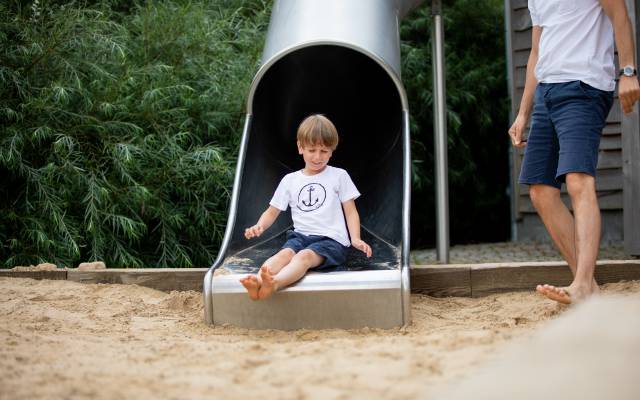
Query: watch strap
[622, 71]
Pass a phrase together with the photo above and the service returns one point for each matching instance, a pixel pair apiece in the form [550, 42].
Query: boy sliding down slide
[317, 195]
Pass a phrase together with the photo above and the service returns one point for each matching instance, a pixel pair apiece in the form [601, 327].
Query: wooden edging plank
[463, 280]
[56, 275]
[165, 279]
[441, 281]
[507, 277]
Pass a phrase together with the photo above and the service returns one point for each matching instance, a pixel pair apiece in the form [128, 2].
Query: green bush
[119, 131]
[477, 102]
[120, 122]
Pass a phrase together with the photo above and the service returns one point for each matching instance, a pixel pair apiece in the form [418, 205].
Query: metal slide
[340, 58]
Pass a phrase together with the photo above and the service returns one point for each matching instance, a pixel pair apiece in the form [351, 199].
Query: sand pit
[62, 339]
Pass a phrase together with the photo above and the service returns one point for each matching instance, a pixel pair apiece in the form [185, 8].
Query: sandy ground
[65, 340]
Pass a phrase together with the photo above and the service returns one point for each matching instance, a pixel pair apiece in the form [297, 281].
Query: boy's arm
[628, 88]
[266, 220]
[526, 104]
[353, 224]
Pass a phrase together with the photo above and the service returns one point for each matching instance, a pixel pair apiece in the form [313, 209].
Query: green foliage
[120, 121]
[118, 130]
[477, 117]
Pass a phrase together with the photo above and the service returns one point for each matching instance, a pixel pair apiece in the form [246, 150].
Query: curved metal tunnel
[316, 60]
[361, 99]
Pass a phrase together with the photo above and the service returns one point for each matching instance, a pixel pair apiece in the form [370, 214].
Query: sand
[66, 340]
[591, 353]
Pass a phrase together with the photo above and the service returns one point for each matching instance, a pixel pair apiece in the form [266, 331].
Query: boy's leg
[275, 263]
[290, 273]
[279, 260]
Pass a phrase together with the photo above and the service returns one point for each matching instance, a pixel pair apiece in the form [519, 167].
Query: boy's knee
[287, 252]
[306, 255]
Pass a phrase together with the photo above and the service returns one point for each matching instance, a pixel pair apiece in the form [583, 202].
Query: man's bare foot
[570, 294]
[251, 283]
[268, 286]
[561, 295]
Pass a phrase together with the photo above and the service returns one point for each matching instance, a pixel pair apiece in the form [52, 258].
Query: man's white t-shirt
[316, 202]
[576, 42]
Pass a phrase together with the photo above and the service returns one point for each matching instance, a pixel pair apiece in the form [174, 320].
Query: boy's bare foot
[268, 286]
[251, 283]
[568, 295]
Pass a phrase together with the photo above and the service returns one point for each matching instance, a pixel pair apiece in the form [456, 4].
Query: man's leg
[573, 237]
[578, 112]
[582, 189]
[290, 273]
[557, 219]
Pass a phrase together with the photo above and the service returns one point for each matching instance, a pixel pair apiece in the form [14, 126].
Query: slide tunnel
[352, 77]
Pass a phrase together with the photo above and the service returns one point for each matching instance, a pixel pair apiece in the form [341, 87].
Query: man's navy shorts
[334, 253]
[566, 126]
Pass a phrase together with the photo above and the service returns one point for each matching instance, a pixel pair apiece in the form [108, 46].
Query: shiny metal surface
[367, 24]
[339, 58]
[440, 136]
[406, 222]
[233, 211]
[340, 299]
[513, 179]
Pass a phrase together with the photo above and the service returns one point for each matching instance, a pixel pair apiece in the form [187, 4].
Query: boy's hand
[362, 246]
[253, 231]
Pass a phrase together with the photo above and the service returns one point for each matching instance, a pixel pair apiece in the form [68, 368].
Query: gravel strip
[510, 252]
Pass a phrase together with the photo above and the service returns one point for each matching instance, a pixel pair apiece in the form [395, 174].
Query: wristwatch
[628, 70]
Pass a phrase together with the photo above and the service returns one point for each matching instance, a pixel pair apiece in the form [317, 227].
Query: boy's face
[315, 156]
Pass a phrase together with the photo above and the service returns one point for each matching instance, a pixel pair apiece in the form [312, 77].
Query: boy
[317, 195]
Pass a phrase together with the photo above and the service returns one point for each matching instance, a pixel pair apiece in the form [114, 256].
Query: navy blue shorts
[334, 253]
[566, 126]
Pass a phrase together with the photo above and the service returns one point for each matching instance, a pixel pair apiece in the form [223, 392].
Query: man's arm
[628, 88]
[266, 220]
[526, 104]
[353, 224]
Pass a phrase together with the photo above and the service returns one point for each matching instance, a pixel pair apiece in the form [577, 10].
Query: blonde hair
[317, 129]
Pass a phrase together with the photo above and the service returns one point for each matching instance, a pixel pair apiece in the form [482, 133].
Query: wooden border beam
[451, 280]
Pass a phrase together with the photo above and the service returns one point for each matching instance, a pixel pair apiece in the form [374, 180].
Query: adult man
[569, 85]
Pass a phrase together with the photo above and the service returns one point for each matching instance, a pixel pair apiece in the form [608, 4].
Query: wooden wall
[631, 159]
[610, 178]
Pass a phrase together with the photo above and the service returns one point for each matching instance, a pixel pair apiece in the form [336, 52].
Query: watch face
[629, 71]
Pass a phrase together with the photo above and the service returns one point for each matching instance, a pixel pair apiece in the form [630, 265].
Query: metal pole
[513, 182]
[440, 137]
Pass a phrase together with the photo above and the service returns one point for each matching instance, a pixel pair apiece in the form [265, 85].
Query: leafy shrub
[477, 102]
[120, 122]
[119, 131]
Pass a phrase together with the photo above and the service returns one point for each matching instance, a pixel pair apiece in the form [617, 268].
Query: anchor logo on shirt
[311, 197]
[309, 204]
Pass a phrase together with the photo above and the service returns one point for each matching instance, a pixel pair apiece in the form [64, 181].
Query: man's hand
[253, 231]
[362, 246]
[628, 92]
[517, 130]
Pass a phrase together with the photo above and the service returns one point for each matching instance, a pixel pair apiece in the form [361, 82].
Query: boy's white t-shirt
[576, 42]
[316, 202]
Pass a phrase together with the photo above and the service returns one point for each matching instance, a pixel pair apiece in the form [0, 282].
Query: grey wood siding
[631, 160]
[610, 179]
